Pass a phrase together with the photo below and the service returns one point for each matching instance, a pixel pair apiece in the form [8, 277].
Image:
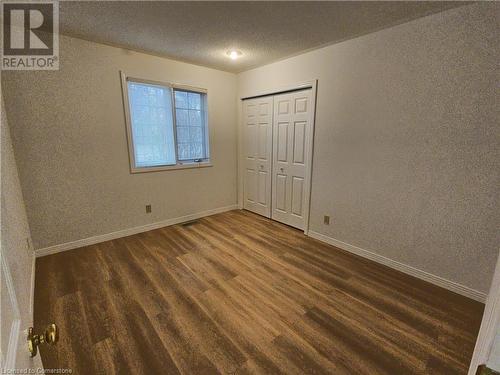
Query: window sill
[203, 164]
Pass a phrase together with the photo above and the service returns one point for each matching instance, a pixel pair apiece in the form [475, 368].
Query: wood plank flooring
[236, 293]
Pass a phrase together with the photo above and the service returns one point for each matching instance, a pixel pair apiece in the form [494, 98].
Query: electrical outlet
[326, 220]
[148, 208]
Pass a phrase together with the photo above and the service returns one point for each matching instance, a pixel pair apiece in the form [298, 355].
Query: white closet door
[291, 131]
[258, 120]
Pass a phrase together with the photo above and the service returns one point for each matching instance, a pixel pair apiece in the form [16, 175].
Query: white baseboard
[128, 232]
[423, 275]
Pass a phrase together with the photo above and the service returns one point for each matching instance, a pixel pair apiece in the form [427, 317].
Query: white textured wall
[407, 140]
[71, 146]
[14, 234]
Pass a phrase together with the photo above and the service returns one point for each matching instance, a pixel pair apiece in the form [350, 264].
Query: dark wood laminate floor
[237, 293]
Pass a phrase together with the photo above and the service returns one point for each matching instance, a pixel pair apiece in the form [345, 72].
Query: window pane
[191, 125]
[195, 135]
[181, 99]
[182, 134]
[190, 151]
[194, 118]
[194, 100]
[152, 124]
[182, 117]
[183, 151]
[196, 150]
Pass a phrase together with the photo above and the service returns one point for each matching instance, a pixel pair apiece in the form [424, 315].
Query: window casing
[167, 125]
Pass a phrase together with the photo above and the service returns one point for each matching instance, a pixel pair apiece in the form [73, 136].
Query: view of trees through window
[153, 125]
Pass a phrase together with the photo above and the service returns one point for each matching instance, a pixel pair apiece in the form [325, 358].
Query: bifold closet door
[291, 131]
[257, 148]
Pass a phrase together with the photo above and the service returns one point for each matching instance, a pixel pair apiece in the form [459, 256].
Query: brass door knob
[50, 336]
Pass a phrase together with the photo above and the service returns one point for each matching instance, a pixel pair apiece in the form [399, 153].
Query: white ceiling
[202, 32]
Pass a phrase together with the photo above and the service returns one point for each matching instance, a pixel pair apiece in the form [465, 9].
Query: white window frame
[179, 164]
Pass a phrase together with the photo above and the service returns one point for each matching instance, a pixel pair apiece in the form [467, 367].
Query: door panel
[265, 108]
[281, 192]
[258, 116]
[299, 140]
[282, 143]
[291, 132]
[283, 107]
[297, 194]
[251, 143]
[263, 199]
[263, 151]
[250, 191]
[301, 105]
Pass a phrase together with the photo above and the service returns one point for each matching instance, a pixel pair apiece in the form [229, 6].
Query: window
[190, 125]
[166, 125]
[152, 124]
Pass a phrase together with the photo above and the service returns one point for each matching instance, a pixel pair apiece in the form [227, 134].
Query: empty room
[265, 187]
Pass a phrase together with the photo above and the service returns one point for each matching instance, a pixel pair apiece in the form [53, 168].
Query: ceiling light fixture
[234, 54]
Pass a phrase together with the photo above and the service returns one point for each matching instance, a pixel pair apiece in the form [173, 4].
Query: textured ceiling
[202, 32]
